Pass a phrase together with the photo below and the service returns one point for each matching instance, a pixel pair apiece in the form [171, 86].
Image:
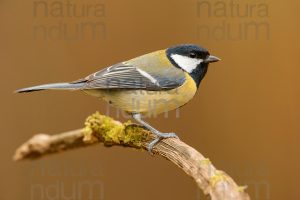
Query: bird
[147, 85]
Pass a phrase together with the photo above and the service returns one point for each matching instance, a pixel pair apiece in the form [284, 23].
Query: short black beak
[211, 59]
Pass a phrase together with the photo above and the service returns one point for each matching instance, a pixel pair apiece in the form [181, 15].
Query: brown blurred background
[245, 117]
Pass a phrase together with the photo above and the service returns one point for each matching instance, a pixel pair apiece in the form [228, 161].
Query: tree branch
[102, 129]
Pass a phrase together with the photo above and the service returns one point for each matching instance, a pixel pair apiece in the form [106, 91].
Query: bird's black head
[191, 58]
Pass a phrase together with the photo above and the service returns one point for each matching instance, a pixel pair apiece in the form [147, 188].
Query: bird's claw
[159, 137]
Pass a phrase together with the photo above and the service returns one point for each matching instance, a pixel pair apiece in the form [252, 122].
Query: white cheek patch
[186, 63]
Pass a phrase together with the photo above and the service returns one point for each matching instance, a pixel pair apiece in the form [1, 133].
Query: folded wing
[124, 76]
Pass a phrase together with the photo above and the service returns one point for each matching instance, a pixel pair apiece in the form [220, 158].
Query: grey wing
[124, 76]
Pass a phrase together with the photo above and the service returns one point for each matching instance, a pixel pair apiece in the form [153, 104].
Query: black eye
[193, 55]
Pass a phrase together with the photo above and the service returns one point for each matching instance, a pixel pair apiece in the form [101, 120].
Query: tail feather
[53, 86]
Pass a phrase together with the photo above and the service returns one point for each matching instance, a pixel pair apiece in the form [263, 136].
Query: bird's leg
[159, 134]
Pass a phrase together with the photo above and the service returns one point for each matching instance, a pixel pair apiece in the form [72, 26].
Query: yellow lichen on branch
[103, 128]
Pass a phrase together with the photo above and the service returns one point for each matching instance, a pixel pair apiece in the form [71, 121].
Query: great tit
[146, 85]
